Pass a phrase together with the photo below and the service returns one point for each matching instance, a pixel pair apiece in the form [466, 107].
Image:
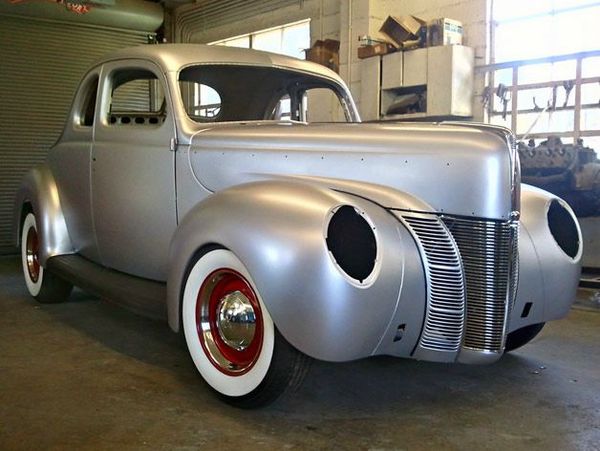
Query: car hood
[455, 168]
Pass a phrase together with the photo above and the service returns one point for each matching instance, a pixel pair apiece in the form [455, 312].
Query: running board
[142, 296]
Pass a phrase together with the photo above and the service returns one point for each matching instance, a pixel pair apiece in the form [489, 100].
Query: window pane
[269, 41]
[537, 73]
[243, 42]
[593, 142]
[503, 76]
[296, 38]
[590, 119]
[590, 67]
[558, 121]
[514, 9]
[590, 93]
[567, 32]
[497, 120]
[282, 111]
[248, 93]
[137, 98]
[208, 103]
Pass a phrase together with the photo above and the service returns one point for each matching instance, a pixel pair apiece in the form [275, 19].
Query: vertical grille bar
[444, 321]
[489, 255]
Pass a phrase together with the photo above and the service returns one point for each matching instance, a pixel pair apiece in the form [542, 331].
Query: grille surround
[468, 309]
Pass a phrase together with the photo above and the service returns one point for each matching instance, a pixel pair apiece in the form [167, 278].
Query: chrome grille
[489, 252]
[443, 328]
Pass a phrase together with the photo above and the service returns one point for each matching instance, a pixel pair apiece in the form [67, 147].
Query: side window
[282, 111]
[323, 105]
[88, 103]
[202, 102]
[137, 98]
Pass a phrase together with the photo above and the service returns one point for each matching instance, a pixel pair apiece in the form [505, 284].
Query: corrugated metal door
[41, 63]
[206, 14]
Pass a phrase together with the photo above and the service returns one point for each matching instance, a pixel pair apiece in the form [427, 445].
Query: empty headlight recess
[563, 228]
[351, 241]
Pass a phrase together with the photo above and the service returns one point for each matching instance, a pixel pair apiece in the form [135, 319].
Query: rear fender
[38, 189]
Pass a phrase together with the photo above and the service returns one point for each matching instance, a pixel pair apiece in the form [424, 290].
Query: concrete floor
[89, 375]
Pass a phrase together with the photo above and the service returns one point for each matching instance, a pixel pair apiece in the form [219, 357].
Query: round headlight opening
[351, 241]
[563, 228]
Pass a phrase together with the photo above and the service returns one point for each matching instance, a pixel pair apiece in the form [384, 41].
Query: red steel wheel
[32, 248]
[44, 286]
[229, 321]
[230, 335]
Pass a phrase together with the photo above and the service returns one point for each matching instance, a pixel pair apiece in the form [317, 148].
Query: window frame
[514, 111]
[339, 90]
[109, 88]
[252, 35]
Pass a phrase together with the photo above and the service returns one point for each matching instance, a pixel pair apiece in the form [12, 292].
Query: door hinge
[173, 144]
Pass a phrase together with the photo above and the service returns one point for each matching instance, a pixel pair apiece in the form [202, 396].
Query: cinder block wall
[366, 17]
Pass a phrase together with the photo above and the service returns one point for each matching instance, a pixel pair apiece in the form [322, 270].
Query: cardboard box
[402, 29]
[367, 51]
[444, 31]
[325, 52]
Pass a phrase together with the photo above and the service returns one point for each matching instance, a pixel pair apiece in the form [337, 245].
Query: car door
[133, 170]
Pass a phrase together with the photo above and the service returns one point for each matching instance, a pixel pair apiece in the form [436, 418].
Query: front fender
[548, 278]
[39, 189]
[277, 229]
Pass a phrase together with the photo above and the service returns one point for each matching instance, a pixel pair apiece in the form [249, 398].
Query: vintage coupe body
[236, 194]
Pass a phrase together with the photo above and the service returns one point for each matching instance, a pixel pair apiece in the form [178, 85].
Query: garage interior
[88, 374]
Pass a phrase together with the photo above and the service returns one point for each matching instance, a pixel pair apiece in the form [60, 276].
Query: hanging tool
[503, 94]
[568, 85]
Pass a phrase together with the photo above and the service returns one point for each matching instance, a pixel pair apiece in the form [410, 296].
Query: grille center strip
[489, 253]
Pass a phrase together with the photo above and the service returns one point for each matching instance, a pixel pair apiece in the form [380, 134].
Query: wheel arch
[276, 228]
[38, 193]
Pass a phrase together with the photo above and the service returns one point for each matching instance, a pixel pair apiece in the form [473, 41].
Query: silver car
[236, 194]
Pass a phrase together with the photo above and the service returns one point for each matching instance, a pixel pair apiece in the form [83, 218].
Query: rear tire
[242, 357]
[522, 336]
[44, 286]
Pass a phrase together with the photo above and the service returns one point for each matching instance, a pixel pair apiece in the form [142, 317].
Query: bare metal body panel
[548, 277]
[403, 157]
[145, 202]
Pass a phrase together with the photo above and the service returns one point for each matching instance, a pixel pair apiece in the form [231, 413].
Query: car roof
[172, 57]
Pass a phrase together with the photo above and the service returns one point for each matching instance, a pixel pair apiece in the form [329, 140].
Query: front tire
[44, 286]
[230, 335]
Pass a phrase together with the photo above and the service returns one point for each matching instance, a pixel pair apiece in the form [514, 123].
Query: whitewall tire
[32, 270]
[230, 335]
[41, 284]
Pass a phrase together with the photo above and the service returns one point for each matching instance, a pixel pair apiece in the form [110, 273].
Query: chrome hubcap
[236, 320]
[229, 322]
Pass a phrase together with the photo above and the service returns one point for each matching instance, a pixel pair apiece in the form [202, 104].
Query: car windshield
[225, 93]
